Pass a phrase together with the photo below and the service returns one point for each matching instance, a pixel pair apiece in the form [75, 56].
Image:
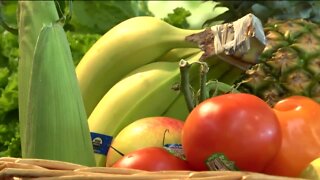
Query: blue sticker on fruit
[101, 143]
[175, 149]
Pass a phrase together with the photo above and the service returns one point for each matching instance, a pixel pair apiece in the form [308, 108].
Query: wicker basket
[17, 168]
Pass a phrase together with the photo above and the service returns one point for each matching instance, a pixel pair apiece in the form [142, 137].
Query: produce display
[150, 80]
[238, 93]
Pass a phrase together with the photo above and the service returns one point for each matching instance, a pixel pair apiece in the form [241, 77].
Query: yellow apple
[146, 132]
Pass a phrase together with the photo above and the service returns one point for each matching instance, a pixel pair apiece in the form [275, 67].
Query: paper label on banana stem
[101, 143]
[243, 39]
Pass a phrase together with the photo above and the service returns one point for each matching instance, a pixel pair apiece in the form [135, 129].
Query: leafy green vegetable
[9, 134]
[9, 96]
[80, 44]
[9, 118]
[8, 10]
[178, 18]
[200, 11]
[100, 16]
[4, 73]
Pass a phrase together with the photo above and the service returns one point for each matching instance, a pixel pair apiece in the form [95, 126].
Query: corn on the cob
[31, 17]
[55, 122]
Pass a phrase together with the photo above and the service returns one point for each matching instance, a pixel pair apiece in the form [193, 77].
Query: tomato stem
[185, 84]
[203, 80]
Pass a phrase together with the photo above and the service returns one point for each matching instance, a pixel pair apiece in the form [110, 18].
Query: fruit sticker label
[100, 143]
[219, 162]
[175, 149]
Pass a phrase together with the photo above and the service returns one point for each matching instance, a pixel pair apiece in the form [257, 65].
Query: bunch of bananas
[131, 72]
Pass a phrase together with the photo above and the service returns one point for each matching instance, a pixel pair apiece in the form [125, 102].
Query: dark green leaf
[178, 18]
[100, 16]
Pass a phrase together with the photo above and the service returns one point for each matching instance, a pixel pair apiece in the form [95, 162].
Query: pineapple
[289, 64]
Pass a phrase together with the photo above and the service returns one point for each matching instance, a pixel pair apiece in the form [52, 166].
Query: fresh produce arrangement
[221, 91]
[149, 75]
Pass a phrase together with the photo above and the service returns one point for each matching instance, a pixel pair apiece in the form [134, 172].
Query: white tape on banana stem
[233, 39]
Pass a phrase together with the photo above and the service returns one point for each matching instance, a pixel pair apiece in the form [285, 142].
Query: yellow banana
[147, 91]
[141, 40]
[127, 46]
[178, 109]
[177, 54]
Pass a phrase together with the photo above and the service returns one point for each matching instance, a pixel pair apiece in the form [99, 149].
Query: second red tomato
[151, 159]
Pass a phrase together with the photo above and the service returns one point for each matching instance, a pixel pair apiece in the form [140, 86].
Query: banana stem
[185, 85]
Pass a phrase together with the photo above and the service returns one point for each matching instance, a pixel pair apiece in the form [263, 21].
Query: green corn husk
[55, 123]
[31, 17]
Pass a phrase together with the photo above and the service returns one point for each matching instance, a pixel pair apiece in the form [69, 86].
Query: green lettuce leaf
[200, 11]
[9, 116]
[100, 16]
[80, 43]
[178, 18]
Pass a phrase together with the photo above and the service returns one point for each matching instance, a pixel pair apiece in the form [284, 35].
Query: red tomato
[300, 124]
[241, 126]
[152, 159]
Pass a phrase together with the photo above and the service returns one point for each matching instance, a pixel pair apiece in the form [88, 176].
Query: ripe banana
[147, 91]
[178, 109]
[127, 46]
[177, 54]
